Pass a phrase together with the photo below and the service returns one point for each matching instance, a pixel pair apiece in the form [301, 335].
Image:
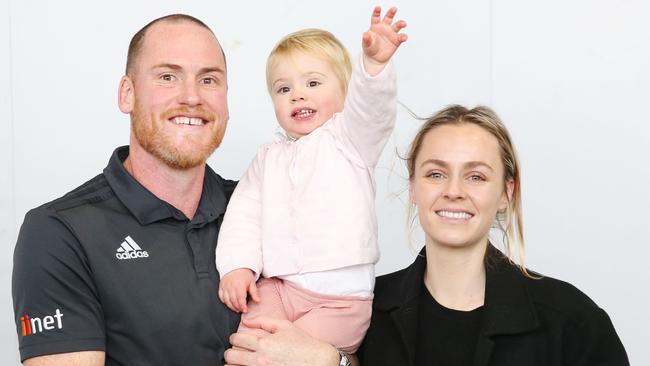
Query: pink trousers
[341, 321]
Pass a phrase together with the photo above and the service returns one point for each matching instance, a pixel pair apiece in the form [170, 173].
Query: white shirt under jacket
[308, 205]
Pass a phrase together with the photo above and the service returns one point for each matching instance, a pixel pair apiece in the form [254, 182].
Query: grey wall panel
[571, 80]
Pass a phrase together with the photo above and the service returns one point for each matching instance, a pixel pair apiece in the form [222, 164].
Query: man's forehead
[181, 36]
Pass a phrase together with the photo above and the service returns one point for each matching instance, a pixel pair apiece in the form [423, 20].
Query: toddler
[303, 215]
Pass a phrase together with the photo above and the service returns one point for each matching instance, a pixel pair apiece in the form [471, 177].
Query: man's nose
[189, 93]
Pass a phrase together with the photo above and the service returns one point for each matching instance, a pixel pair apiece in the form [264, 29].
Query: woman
[463, 302]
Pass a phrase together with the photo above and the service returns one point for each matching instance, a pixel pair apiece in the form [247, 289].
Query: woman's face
[458, 185]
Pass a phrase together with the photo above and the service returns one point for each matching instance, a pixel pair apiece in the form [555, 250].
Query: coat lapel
[402, 303]
[508, 307]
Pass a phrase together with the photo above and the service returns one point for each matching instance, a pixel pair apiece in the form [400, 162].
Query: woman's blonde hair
[510, 222]
[315, 42]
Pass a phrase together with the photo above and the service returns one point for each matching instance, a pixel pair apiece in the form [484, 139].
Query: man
[121, 271]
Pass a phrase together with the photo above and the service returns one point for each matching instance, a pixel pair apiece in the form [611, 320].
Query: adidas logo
[129, 249]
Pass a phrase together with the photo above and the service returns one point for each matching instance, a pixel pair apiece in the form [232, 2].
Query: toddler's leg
[270, 305]
[341, 321]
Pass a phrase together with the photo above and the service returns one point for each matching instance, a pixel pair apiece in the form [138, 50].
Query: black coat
[526, 322]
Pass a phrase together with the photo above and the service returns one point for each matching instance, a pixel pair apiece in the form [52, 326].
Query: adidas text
[132, 255]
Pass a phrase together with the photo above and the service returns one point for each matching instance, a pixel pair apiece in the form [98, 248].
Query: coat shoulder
[561, 297]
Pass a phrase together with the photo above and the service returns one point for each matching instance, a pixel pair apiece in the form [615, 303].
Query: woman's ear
[126, 95]
[506, 197]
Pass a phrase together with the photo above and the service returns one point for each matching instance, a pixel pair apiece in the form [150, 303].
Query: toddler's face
[305, 92]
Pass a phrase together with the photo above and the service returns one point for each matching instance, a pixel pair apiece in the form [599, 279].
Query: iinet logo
[38, 325]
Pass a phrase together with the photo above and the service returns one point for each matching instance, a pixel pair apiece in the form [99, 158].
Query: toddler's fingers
[376, 14]
[390, 14]
[220, 294]
[232, 300]
[252, 289]
[398, 26]
[366, 39]
[226, 300]
[240, 299]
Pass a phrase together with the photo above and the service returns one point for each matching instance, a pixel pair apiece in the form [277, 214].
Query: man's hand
[285, 345]
[381, 40]
[234, 288]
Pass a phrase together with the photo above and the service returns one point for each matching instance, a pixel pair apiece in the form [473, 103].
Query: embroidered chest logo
[32, 325]
[129, 249]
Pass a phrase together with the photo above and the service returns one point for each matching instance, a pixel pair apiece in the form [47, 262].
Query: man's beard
[154, 140]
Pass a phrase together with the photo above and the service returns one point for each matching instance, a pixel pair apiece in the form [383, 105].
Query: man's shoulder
[94, 190]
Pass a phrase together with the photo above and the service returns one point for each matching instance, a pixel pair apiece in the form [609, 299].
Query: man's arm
[88, 358]
[52, 280]
[285, 345]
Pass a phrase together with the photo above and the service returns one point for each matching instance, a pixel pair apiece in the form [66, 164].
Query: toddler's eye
[283, 90]
[313, 83]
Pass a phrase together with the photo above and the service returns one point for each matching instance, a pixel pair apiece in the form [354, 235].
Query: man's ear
[126, 95]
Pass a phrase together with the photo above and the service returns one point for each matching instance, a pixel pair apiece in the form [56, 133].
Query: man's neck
[180, 188]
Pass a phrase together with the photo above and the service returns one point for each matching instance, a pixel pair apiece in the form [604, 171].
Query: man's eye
[283, 90]
[167, 77]
[208, 81]
[313, 83]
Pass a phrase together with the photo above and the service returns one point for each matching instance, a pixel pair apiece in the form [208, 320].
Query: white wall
[567, 78]
[8, 222]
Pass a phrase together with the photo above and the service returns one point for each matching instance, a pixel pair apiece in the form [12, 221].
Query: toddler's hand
[381, 40]
[234, 288]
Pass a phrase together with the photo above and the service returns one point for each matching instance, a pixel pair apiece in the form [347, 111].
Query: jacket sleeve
[594, 342]
[369, 112]
[56, 304]
[240, 241]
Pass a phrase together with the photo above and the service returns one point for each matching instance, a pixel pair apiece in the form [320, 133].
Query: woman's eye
[476, 178]
[313, 83]
[435, 175]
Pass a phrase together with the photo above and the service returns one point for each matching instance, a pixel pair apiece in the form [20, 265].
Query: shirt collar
[148, 208]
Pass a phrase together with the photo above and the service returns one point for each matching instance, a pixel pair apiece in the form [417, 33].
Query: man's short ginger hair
[135, 46]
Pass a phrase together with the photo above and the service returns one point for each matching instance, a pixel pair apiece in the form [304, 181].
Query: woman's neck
[455, 277]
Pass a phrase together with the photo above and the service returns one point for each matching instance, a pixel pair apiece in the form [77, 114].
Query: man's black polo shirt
[111, 267]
